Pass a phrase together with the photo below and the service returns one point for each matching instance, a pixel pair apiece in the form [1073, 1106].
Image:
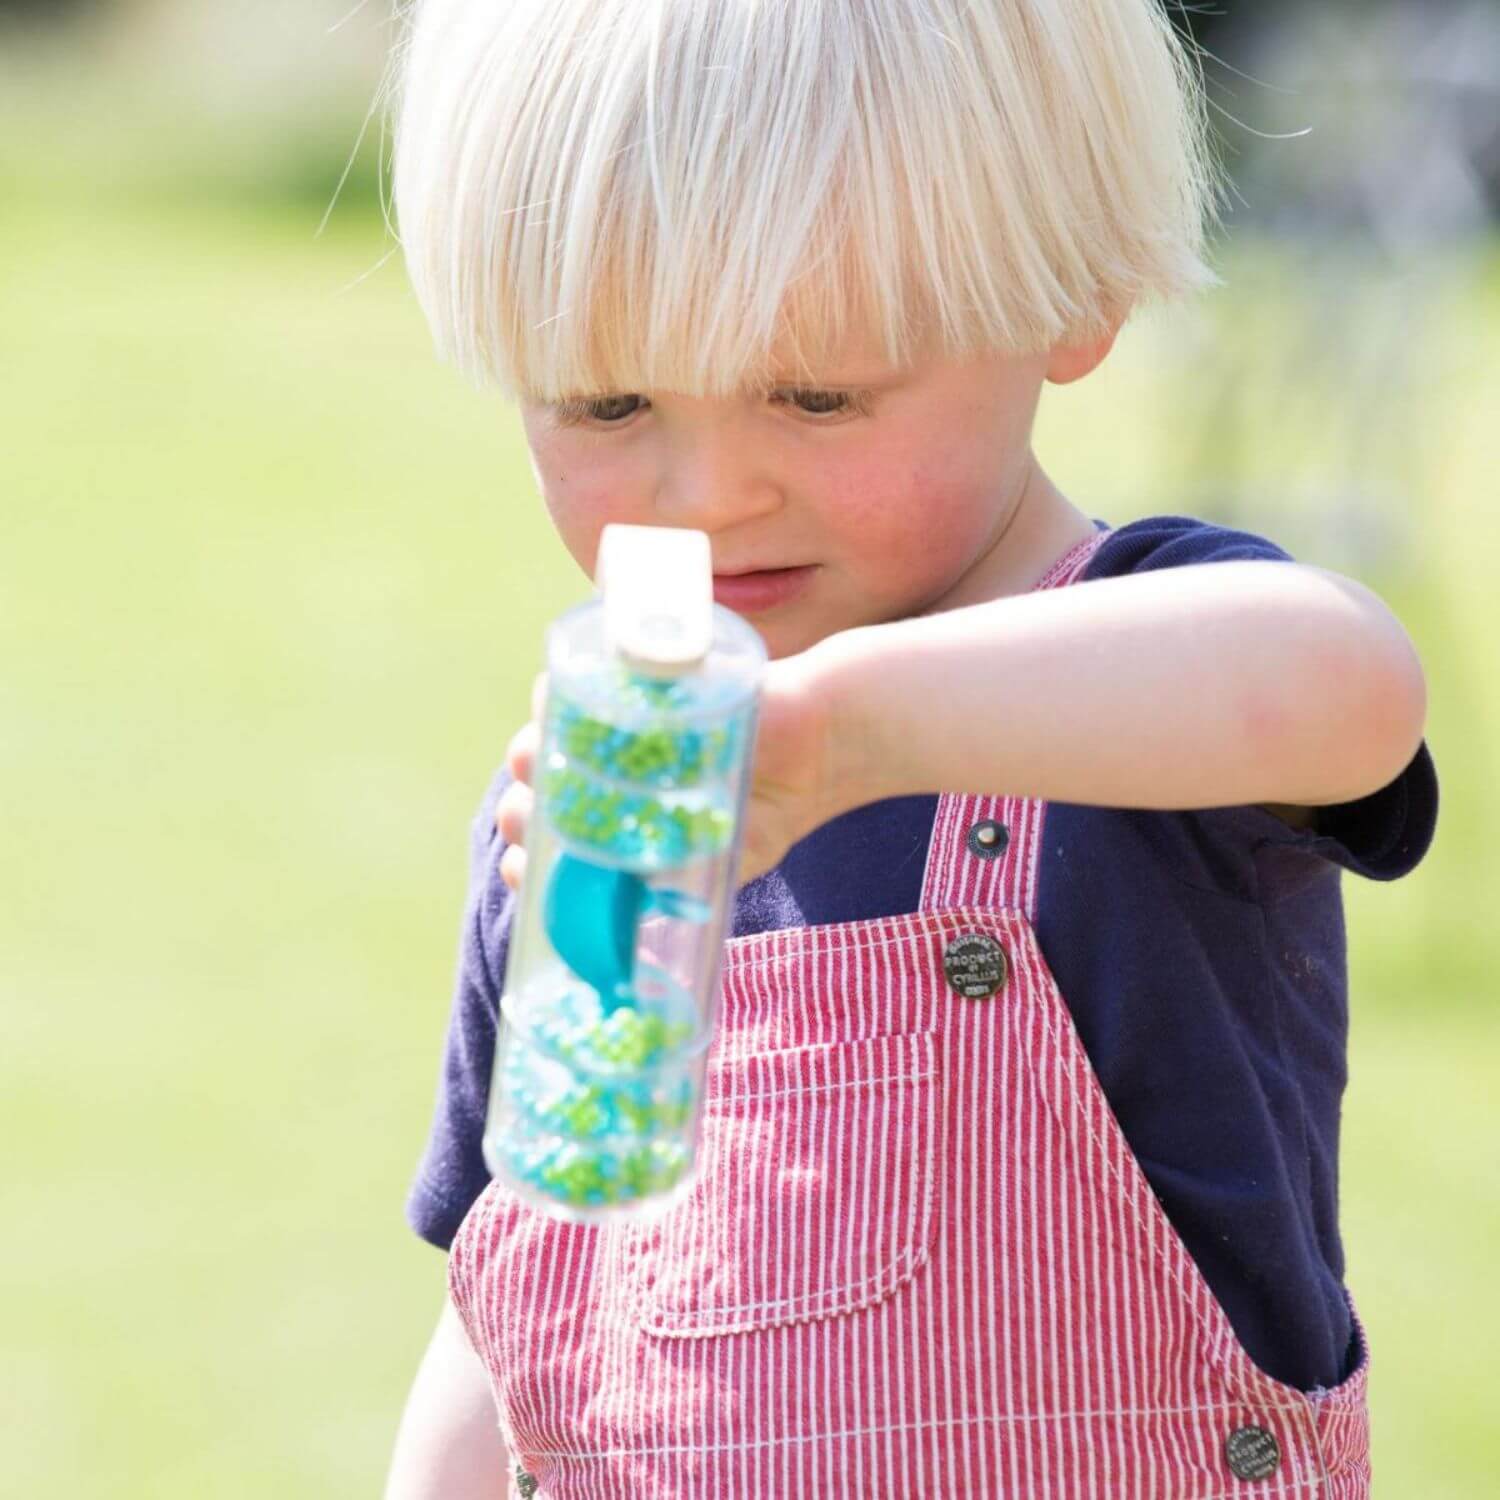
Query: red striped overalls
[920, 1259]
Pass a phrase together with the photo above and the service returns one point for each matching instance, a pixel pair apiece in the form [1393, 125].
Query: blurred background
[273, 585]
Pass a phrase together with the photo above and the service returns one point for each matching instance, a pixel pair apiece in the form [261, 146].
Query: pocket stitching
[917, 1251]
[842, 1083]
[900, 1268]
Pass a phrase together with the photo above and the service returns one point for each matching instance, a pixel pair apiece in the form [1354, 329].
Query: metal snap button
[1252, 1452]
[526, 1483]
[975, 964]
[988, 839]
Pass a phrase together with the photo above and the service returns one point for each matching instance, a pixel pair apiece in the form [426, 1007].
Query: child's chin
[788, 638]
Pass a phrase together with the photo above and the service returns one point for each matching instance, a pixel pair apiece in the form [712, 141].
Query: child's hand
[513, 811]
[796, 782]
[795, 785]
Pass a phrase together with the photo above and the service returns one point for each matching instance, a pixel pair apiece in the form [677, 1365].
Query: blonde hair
[627, 195]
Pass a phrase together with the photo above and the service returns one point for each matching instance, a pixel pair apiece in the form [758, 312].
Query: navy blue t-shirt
[1201, 954]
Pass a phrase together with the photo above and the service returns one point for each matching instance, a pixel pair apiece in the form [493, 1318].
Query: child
[1020, 1144]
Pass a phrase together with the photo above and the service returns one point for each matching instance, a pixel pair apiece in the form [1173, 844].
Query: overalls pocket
[815, 1192]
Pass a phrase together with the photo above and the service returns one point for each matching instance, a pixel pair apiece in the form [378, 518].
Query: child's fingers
[513, 866]
[520, 754]
[513, 812]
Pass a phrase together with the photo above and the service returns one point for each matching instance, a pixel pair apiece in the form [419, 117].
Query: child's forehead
[854, 359]
[858, 356]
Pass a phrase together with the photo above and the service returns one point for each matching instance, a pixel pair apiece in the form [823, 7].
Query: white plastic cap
[658, 588]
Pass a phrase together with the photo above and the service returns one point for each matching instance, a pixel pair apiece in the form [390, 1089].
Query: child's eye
[821, 403]
[603, 409]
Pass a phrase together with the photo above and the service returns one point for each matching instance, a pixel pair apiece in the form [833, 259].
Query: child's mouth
[749, 593]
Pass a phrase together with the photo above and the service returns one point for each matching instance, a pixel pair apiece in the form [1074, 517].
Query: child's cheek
[907, 523]
[581, 495]
[577, 502]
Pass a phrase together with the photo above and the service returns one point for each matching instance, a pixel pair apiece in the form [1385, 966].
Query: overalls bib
[920, 1259]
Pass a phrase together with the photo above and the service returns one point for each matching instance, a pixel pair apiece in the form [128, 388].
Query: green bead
[585, 1115]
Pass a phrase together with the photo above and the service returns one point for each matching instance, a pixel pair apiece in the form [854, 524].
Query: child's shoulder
[1172, 541]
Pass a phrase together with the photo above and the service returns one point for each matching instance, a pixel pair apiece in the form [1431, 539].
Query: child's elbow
[1386, 710]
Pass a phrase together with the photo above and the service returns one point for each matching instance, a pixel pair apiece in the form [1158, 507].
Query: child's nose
[711, 482]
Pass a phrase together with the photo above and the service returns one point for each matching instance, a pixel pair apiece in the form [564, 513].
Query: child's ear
[1069, 362]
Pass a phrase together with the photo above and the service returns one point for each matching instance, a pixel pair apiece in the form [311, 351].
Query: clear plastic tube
[611, 987]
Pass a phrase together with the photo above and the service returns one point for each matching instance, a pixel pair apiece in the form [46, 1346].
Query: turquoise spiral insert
[575, 1030]
[602, 1104]
[554, 1100]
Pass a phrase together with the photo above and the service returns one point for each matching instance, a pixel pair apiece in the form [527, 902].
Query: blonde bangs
[697, 195]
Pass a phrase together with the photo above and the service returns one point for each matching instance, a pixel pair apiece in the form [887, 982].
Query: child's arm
[449, 1445]
[1202, 686]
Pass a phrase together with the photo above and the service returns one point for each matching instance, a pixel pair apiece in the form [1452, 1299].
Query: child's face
[895, 486]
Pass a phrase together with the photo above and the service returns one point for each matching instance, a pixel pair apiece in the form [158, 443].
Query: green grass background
[272, 589]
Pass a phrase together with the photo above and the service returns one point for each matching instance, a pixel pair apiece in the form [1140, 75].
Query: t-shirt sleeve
[1380, 836]
[452, 1173]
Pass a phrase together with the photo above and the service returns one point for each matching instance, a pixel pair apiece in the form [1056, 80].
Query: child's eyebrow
[883, 379]
[844, 380]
